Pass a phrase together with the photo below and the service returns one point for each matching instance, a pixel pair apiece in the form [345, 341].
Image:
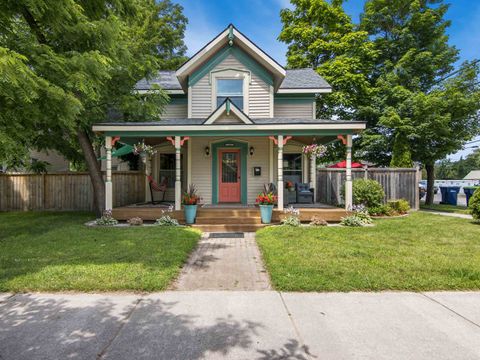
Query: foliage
[320, 35]
[292, 217]
[414, 253]
[317, 221]
[135, 221]
[359, 217]
[452, 170]
[106, 219]
[190, 197]
[166, 219]
[474, 205]
[141, 148]
[401, 154]
[68, 64]
[55, 251]
[382, 210]
[367, 192]
[400, 206]
[38, 166]
[266, 198]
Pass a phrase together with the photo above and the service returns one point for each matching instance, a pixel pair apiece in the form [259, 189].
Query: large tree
[65, 64]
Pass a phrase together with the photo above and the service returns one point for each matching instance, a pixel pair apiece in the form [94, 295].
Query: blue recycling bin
[469, 190]
[449, 194]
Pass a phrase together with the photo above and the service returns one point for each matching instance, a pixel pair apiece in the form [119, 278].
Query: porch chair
[304, 193]
[154, 187]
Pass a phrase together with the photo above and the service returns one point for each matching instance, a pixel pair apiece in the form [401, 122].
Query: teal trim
[293, 100]
[227, 105]
[178, 100]
[221, 55]
[164, 133]
[230, 35]
[243, 167]
[289, 96]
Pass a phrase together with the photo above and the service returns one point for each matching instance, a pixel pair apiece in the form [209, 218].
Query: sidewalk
[241, 325]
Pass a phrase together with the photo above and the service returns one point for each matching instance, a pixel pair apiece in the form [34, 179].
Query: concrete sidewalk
[241, 325]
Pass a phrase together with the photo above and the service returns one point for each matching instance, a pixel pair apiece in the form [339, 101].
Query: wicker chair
[304, 193]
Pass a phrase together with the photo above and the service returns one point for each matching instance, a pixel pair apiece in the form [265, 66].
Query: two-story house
[237, 120]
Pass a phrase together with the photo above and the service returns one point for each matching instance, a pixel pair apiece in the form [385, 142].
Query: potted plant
[314, 150]
[190, 201]
[266, 201]
[143, 150]
[290, 186]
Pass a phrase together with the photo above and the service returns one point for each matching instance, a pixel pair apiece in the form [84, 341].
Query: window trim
[231, 74]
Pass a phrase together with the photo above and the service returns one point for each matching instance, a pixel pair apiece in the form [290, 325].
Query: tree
[320, 35]
[410, 106]
[66, 64]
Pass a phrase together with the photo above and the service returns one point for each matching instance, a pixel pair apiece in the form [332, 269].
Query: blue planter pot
[266, 213]
[190, 213]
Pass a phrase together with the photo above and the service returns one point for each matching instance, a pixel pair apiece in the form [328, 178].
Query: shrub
[107, 219]
[292, 218]
[382, 210]
[400, 206]
[318, 221]
[135, 221]
[166, 220]
[358, 218]
[474, 205]
[367, 192]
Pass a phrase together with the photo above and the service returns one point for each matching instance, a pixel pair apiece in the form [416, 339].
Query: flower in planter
[314, 150]
[290, 185]
[266, 198]
[190, 197]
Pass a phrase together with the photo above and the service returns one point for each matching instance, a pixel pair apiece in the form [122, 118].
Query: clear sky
[260, 21]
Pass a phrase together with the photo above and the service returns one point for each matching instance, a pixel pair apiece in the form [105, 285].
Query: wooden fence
[65, 191]
[397, 184]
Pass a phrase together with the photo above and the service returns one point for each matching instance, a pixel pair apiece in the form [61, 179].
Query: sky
[260, 21]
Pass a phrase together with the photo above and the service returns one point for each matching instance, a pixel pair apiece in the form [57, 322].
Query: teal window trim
[178, 100]
[240, 55]
[243, 167]
[290, 101]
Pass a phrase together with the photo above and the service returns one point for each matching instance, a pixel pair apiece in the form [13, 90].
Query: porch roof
[260, 127]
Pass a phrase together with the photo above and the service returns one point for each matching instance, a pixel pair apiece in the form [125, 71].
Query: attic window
[231, 88]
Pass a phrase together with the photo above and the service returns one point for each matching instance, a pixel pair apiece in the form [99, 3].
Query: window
[292, 164]
[167, 169]
[231, 88]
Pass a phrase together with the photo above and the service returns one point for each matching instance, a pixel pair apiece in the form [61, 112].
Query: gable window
[231, 88]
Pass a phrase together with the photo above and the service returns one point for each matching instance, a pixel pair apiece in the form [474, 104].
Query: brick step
[228, 227]
[227, 220]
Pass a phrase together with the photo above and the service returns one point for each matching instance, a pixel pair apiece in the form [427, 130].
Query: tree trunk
[430, 168]
[94, 171]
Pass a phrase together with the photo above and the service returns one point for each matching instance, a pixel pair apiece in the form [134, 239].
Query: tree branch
[32, 23]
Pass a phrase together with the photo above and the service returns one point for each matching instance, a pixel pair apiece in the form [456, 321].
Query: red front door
[229, 176]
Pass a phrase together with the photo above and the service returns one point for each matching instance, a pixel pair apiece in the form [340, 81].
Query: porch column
[280, 173]
[178, 179]
[148, 171]
[313, 176]
[108, 180]
[348, 182]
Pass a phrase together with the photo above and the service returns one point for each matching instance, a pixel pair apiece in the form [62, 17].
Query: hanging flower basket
[143, 150]
[314, 150]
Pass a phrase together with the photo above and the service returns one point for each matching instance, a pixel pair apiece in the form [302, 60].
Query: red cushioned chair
[154, 187]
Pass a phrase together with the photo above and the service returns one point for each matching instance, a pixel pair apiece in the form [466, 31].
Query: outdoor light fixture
[252, 150]
[207, 150]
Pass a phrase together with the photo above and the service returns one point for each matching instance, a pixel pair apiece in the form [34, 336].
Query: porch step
[220, 212]
[228, 227]
[202, 220]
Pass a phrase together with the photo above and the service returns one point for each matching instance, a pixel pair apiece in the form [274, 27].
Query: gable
[228, 113]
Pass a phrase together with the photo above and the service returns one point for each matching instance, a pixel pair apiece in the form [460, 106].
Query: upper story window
[231, 88]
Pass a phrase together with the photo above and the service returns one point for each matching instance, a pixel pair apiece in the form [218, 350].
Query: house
[236, 120]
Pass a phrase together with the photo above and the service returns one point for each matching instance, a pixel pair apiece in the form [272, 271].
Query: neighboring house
[236, 120]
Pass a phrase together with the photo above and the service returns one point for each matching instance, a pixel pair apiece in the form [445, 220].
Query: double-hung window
[231, 88]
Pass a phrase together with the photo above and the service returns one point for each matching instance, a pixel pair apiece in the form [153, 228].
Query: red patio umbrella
[343, 165]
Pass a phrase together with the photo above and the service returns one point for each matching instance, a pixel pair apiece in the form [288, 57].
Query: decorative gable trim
[221, 55]
[227, 107]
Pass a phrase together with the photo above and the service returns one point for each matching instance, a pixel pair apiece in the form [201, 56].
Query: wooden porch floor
[213, 218]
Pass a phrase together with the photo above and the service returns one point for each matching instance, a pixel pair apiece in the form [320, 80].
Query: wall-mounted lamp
[252, 150]
[207, 151]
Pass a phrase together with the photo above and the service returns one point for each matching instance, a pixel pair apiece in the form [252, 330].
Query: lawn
[446, 208]
[419, 252]
[56, 252]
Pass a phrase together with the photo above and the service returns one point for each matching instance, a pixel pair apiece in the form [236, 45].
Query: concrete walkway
[443, 213]
[224, 263]
[241, 325]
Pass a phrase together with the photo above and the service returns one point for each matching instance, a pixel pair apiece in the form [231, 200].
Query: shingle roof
[294, 79]
[304, 79]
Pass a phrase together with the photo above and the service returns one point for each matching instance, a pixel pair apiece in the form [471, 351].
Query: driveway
[241, 325]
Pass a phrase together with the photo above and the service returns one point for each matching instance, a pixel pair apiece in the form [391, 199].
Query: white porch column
[348, 182]
[313, 176]
[108, 180]
[280, 173]
[178, 179]
[148, 171]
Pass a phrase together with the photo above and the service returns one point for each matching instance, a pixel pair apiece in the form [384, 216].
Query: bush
[135, 221]
[317, 221]
[292, 218]
[107, 219]
[474, 205]
[382, 210]
[358, 218]
[367, 192]
[166, 220]
[399, 206]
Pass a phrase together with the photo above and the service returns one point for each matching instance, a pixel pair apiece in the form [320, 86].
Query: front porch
[228, 217]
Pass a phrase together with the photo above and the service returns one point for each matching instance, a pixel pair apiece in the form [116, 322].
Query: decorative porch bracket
[284, 141]
[182, 141]
[342, 138]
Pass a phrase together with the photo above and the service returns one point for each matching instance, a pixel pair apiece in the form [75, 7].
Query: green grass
[419, 252]
[446, 208]
[56, 252]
